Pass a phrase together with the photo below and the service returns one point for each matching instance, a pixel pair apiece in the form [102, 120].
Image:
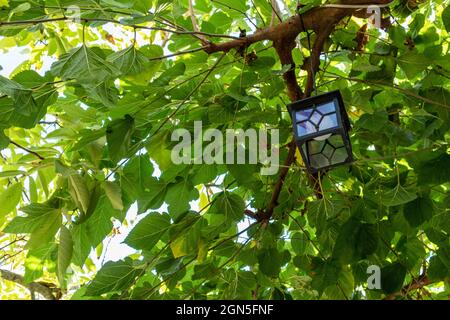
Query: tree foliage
[85, 133]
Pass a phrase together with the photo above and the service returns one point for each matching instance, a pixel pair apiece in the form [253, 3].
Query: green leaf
[435, 171]
[27, 111]
[413, 63]
[300, 243]
[84, 65]
[146, 234]
[327, 274]
[90, 231]
[392, 277]
[270, 262]
[356, 241]
[129, 61]
[4, 140]
[178, 197]
[229, 204]
[82, 243]
[79, 191]
[446, 18]
[112, 277]
[114, 194]
[37, 216]
[46, 231]
[437, 270]
[185, 236]
[118, 136]
[418, 211]
[65, 250]
[9, 198]
[36, 260]
[397, 196]
[94, 197]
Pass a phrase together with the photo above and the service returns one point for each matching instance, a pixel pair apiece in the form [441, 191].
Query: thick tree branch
[279, 185]
[312, 63]
[45, 291]
[318, 19]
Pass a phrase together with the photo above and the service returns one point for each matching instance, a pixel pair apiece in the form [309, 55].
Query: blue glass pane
[305, 128]
[303, 115]
[327, 107]
[316, 117]
[328, 122]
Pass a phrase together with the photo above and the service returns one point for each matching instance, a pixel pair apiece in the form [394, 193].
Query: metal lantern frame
[304, 139]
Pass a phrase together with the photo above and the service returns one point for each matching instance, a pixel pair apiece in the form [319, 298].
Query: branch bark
[318, 20]
[416, 284]
[34, 287]
[279, 185]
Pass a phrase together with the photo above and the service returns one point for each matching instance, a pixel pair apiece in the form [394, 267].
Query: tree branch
[45, 291]
[317, 19]
[27, 150]
[195, 26]
[279, 185]
[415, 284]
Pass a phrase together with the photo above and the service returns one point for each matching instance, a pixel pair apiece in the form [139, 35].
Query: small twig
[259, 13]
[27, 150]
[275, 12]
[195, 26]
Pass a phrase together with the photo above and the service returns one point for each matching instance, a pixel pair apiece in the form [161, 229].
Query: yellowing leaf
[178, 247]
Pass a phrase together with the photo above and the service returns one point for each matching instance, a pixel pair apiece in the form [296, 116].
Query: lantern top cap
[321, 98]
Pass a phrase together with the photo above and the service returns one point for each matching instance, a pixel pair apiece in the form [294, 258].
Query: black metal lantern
[321, 128]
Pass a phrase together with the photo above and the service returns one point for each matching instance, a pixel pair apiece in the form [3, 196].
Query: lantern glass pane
[328, 122]
[326, 108]
[324, 153]
[340, 155]
[306, 127]
[319, 161]
[303, 115]
[317, 118]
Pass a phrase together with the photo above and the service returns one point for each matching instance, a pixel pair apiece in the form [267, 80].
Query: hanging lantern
[321, 128]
